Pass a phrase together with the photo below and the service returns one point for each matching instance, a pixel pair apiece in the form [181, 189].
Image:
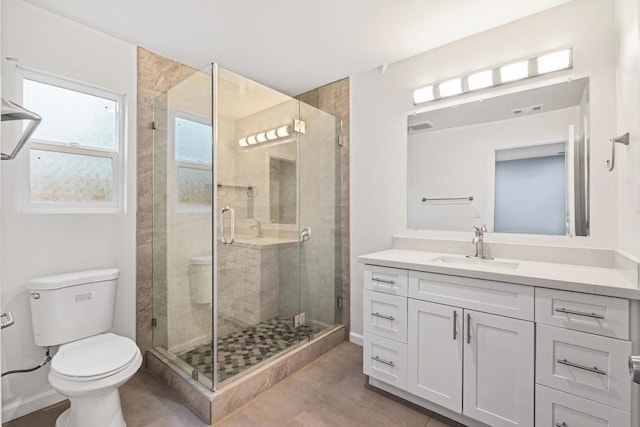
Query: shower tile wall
[249, 285]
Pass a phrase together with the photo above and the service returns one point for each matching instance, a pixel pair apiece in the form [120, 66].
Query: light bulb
[271, 134]
[243, 142]
[515, 71]
[480, 80]
[554, 61]
[261, 137]
[423, 95]
[252, 140]
[282, 131]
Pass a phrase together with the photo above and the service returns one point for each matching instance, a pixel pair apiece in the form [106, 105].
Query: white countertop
[578, 278]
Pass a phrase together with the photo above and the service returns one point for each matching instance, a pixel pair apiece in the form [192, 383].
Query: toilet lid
[93, 356]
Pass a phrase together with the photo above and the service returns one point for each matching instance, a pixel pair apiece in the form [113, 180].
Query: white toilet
[201, 279]
[74, 310]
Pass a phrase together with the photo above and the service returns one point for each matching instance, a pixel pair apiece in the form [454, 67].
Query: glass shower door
[256, 235]
[320, 255]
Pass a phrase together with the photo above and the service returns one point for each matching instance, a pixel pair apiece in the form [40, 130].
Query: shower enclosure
[246, 225]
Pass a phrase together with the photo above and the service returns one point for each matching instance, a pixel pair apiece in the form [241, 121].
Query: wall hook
[623, 139]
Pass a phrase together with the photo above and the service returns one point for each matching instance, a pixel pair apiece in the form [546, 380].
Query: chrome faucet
[258, 227]
[478, 240]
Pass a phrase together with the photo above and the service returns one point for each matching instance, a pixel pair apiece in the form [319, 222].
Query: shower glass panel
[246, 244]
[182, 223]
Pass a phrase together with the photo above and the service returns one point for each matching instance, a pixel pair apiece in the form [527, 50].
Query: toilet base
[99, 411]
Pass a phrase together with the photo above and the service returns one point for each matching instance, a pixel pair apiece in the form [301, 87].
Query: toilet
[75, 311]
[201, 279]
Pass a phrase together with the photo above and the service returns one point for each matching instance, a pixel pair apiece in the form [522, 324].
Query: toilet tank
[68, 307]
[201, 279]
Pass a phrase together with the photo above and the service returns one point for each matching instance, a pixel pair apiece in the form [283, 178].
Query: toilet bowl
[75, 311]
[89, 372]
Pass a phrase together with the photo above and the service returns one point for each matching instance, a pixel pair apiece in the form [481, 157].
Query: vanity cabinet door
[435, 353]
[498, 370]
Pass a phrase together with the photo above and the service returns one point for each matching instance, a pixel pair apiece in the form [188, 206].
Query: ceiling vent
[527, 110]
[416, 127]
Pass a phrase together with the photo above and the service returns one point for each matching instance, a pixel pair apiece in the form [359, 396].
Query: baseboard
[356, 339]
[22, 407]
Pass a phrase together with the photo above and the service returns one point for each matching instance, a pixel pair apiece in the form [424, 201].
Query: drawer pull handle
[390, 282]
[382, 316]
[455, 320]
[585, 368]
[468, 328]
[386, 362]
[561, 424]
[579, 313]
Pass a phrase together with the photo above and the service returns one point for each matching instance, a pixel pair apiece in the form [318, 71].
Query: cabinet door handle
[468, 328]
[390, 282]
[583, 367]
[386, 362]
[382, 316]
[455, 320]
[579, 313]
[561, 424]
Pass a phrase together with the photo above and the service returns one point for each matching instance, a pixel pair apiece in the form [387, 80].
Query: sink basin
[476, 261]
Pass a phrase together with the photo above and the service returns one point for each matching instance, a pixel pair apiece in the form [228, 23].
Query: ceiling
[293, 45]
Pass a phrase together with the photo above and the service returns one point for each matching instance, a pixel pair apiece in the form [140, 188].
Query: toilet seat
[93, 358]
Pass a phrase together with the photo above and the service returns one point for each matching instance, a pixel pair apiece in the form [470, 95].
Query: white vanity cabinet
[498, 370]
[582, 352]
[498, 354]
[469, 344]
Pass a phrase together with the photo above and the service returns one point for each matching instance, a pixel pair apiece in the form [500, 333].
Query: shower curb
[212, 406]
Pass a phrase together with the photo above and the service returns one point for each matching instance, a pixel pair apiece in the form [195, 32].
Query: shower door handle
[232, 225]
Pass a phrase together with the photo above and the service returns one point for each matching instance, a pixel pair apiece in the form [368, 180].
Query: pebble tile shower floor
[246, 348]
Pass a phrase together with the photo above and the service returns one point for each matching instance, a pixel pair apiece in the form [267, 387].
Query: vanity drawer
[500, 298]
[385, 360]
[555, 408]
[595, 314]
[586, 365]
[385, 279]
[385, 315]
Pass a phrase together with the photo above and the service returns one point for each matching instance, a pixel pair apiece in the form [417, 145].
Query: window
[193, 155]
[76, 155]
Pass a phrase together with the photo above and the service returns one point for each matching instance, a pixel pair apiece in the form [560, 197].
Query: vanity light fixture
[424, 94]
[480, 80]
[538, 65]
[450, 87]
[515, 71]
[266, 136]
[555, 61]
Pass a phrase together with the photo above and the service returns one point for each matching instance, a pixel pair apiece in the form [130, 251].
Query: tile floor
[329, 392]
[241, 350]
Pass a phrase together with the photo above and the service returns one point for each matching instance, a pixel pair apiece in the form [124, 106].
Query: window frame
[117, 156]
[190, 164]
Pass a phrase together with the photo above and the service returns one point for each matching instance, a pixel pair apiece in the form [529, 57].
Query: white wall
[628, 109]
[36, 245]
[380, 103]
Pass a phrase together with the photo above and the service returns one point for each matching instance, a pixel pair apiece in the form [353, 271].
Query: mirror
[282, 190]
[517, 163]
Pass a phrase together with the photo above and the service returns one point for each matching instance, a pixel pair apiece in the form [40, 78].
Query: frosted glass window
[193, 141]
[69, 116]
[58, 177]
[194, 187]
[75, 158]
